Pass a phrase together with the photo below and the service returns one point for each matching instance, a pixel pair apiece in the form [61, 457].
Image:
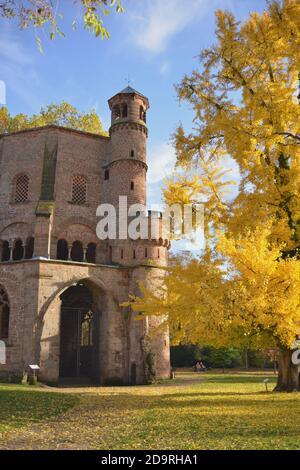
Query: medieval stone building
[61, 287]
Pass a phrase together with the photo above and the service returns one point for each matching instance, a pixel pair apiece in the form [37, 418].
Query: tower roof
[130, 90]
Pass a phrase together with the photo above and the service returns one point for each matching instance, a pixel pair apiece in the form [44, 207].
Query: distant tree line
[188, 354]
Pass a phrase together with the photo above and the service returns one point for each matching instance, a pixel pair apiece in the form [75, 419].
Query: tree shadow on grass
[246, 379]
[126, 402]
[124, 420]
[19, 407]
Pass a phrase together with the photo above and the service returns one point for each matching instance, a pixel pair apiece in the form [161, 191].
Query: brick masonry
[52, 156]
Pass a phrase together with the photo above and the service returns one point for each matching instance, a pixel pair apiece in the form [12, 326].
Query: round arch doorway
[79, 336]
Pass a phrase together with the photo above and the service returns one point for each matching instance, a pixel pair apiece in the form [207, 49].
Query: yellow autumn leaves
[245, 289]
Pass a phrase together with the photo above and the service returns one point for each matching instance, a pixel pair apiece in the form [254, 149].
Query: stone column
[69, 252]
[24, 249]
[11, 249]
[43, 229]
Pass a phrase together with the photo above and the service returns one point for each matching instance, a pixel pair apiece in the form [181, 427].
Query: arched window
[5, 251]
[116, 113]
[18, 251]
[79, 189]
[142, 114]
[62, 250]
[77, 252]
[124, 110]
[87, 324]
[132, 153]
[106, 175]
[21, 188]
[4, 313]
[91, 253]
[29, 249]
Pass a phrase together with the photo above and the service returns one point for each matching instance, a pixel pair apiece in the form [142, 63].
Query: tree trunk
[275, 366]
[288, 373]
[246, 359]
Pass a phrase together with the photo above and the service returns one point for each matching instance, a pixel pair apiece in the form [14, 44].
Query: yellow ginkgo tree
[245, 289]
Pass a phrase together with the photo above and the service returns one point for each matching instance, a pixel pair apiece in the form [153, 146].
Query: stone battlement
[61, 287]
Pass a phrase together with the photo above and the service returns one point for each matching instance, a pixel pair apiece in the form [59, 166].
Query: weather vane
[128, 80]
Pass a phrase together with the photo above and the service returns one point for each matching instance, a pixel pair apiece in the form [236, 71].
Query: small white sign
[34, 367]
[2, 353]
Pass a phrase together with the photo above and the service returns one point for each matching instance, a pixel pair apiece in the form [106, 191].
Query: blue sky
[156, 42]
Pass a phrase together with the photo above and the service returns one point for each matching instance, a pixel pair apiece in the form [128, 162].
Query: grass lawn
[196, 411]
[23, 405]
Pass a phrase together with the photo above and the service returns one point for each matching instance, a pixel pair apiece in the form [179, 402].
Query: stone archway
[79, 335]
[113, 341]
[49, 330]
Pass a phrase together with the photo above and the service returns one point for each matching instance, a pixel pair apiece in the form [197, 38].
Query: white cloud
[22, 82]
[161, 161]
[192, 247]
[17, 69]
[155, 22]
[13, 51]
[233, 176]
[164, 68]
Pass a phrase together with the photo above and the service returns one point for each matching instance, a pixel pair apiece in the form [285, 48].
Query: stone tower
[61, 287]
[128, 134]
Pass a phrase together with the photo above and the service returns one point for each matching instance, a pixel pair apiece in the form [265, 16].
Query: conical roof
[130, 90]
